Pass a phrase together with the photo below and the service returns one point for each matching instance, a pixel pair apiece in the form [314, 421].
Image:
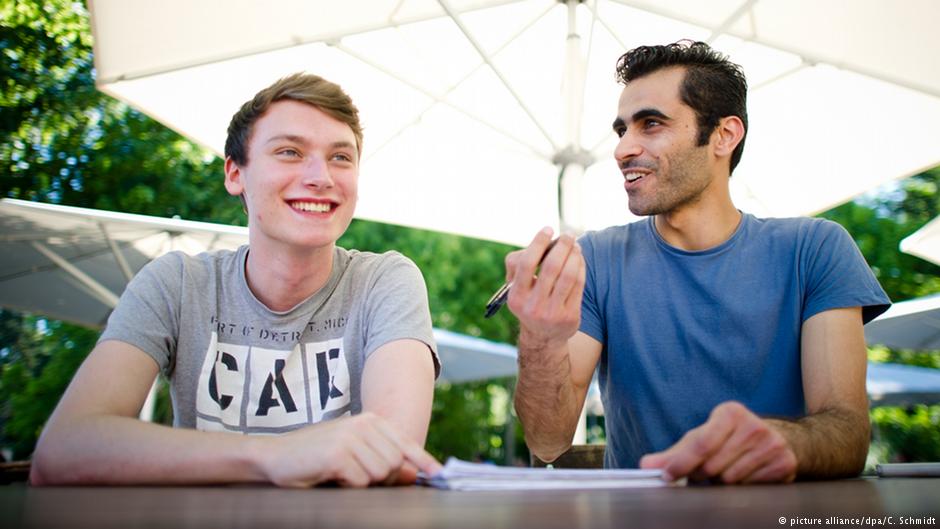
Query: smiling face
[300, 181]
[663, 168]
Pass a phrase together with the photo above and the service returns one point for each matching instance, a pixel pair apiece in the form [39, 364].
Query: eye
[651, 122]
[620, 131]
[289, 152]
[342, 157]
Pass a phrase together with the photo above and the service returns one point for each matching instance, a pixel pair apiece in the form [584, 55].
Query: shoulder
[801, 232]
[370, 264]
[612, 236]
[797, 227]
[178, 266]
[178, 259]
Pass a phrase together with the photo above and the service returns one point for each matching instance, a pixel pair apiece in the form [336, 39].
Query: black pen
[501, 295]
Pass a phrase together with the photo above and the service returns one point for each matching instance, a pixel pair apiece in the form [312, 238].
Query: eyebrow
[640, 115]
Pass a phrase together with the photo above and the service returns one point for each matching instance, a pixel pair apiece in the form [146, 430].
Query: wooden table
[888, 501]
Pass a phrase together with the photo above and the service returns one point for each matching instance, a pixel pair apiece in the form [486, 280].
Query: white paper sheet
[463, 475]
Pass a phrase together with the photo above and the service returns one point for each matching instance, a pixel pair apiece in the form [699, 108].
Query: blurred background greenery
[63, 142]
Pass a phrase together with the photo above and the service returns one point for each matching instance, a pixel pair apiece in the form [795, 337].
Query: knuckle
[699, 445]
[551, 267]
[777, 444]
[730, 476]
[711, 467]
[731, 408]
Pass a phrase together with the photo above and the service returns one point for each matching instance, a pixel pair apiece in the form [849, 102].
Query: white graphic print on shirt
[259, 390]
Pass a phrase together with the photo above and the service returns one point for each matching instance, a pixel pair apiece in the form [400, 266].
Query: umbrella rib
[499, 74]
[441, 99]
[781, 75]
[292, 41]
[808, 58]
[437, 99]
[118, 254]
[51, 266]
[594, 20]
[613, 33]
[97, 289]
[212, 242]
[723, 27]
[39, 236]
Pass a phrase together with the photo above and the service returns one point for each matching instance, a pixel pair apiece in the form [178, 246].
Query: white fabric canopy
[911, 324]
[473, 109]
[73, 263]
[902, 385]
[925, 242]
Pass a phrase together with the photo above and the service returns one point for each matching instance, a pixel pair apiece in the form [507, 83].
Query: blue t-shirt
[684, 331]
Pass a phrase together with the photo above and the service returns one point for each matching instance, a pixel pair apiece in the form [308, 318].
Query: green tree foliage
[63, 141]
[35, 366]
[469, 420]
[878, 224]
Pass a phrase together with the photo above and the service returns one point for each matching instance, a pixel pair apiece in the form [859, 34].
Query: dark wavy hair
[305, 88]
[714, 87]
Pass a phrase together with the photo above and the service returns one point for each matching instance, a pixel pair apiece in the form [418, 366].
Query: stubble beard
[681, 186]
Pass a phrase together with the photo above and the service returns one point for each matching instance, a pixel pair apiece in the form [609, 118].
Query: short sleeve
[592, 322]
[147, 315]
[397, 307]
[837, 275]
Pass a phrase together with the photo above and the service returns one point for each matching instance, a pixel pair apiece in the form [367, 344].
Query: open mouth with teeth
[313, 207]
[633, 177]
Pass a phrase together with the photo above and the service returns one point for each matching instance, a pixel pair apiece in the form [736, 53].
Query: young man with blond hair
[291, 360]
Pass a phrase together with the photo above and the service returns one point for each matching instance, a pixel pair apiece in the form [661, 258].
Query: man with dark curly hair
[728, 347]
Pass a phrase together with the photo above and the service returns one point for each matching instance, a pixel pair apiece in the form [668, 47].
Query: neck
[281, 280]
[703, 224]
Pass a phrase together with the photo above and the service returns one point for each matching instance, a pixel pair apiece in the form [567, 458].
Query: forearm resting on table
[547, 400]
[101, 449]
[832, 443]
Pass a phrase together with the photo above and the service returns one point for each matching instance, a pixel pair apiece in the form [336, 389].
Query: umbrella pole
[572, 160]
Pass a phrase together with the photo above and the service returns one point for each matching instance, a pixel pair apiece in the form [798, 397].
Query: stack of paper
[462, 475]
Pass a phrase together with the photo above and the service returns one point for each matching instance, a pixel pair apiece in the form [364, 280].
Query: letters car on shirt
[259, 390]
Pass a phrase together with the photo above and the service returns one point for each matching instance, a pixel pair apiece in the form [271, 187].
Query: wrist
[795, 441]
[254, 457]
[531, 340]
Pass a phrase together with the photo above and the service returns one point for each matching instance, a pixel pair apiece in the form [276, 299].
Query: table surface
[859, 502]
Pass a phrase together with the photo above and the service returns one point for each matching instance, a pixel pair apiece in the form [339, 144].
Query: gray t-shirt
[235, 365]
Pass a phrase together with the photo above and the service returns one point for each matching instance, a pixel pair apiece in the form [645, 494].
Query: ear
[728, 135]
[233, 178]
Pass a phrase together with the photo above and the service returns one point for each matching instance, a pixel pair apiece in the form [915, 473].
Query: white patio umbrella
[925, 242]
[73, 263]
[912, 324]
[491, 118]
[902, 385]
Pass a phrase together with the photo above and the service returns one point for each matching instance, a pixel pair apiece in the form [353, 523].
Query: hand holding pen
[549, 303]
[499, 298]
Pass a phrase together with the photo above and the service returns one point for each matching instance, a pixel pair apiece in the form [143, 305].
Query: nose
[316, 173]
[627, 147]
